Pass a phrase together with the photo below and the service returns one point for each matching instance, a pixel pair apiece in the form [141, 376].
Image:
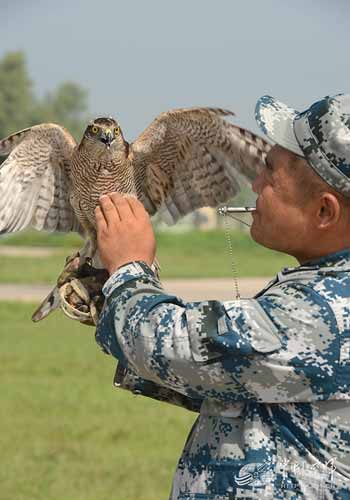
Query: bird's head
[104, 133]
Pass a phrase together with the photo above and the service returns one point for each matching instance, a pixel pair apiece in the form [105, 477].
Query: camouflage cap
[320, 134]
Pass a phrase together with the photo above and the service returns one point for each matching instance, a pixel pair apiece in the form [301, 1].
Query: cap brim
[276, 119]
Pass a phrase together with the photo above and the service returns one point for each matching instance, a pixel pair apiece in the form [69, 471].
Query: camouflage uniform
[269, 377]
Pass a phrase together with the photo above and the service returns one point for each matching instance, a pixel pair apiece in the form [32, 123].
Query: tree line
[21, 108]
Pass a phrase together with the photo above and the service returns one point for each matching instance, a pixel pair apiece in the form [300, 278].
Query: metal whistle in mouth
[235, 210]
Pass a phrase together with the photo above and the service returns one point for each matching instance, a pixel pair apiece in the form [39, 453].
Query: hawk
[185, 159]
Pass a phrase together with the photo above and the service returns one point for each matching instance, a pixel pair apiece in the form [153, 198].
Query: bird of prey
[185, 159]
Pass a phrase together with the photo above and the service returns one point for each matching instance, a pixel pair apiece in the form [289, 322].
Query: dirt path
[13, 251]
[193, 289]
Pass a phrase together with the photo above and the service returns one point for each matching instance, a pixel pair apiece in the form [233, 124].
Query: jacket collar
[338, 260]
[330, 265]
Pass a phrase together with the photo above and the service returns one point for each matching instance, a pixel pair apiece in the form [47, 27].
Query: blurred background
[66, 432]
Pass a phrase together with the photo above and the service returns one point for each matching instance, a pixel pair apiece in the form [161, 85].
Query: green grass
[192, 254]
[66, 433]
[205, 254]
[42, 239]
[31, 269]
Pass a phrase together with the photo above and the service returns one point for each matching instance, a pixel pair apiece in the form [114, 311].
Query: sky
[139, 58]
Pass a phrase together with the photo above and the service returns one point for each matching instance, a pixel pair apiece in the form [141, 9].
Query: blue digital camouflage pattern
[270, 377]
[321, 134]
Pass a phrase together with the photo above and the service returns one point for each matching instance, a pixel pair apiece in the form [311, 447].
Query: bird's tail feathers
[7, 144]
[48, 305]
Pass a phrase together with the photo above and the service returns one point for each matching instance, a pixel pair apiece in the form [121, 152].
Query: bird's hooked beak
[107, 137]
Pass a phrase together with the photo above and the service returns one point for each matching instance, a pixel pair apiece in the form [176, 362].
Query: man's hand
[124, 232]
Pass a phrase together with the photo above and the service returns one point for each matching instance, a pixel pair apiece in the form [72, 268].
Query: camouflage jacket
[269, 376]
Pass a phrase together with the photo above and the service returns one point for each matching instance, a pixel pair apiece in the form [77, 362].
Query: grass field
[192, 254]
[66, 433]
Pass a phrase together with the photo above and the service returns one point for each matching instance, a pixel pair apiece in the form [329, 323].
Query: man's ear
[328, 212]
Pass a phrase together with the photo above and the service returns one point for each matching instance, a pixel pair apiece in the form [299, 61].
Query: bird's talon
[70, 258]
[93, 312]
[80, 290]
[83, 308]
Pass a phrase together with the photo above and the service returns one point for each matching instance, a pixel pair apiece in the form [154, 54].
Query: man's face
[281, 221]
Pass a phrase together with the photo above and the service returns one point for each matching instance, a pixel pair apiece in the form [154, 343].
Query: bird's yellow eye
[94, 129]
[116, 130]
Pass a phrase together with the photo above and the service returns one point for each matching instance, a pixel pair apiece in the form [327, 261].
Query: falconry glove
[80, 290]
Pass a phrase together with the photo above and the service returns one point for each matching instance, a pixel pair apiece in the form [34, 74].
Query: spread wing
[34, 180]
[190, 158]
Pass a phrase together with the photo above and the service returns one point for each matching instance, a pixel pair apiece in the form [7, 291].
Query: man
[269, 375]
